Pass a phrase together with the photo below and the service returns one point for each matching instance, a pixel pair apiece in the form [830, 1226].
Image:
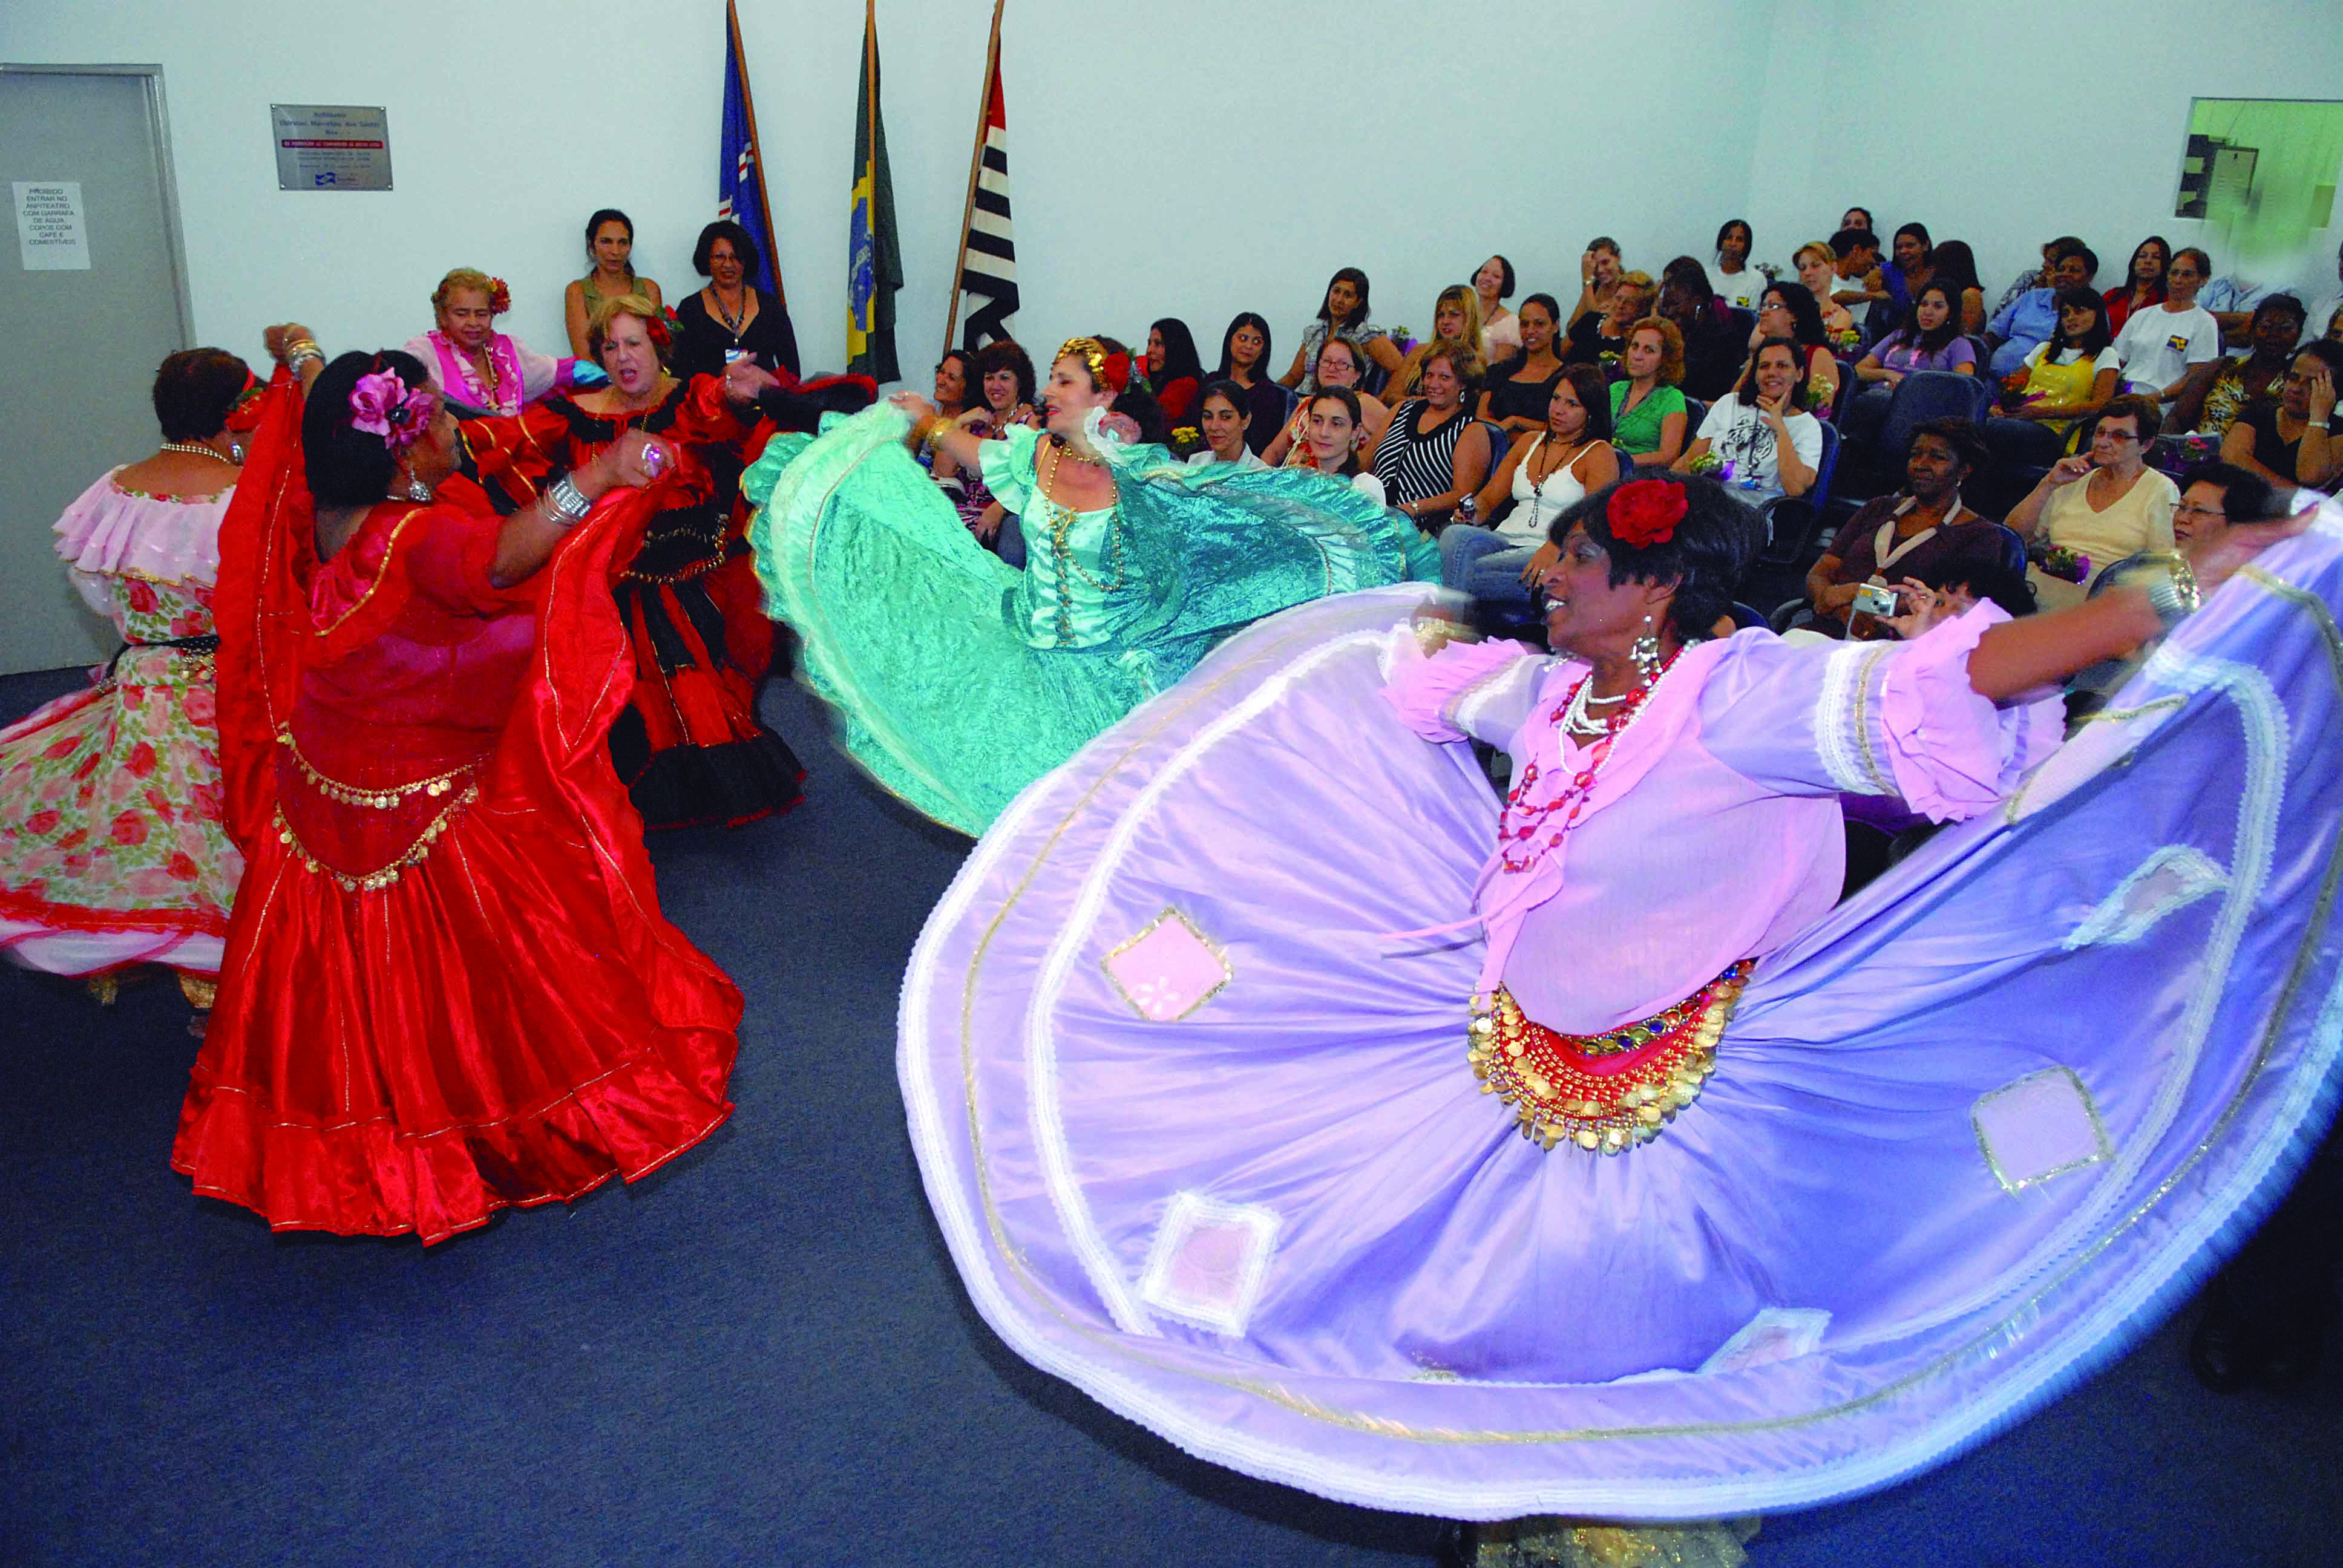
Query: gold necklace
[1061, 559]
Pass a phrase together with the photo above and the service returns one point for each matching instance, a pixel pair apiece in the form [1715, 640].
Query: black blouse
[1511, 399]
[704, 341]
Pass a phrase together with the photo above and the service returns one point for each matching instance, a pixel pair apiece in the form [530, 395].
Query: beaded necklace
[1060, 519]
[194, 449]
[1524, 823]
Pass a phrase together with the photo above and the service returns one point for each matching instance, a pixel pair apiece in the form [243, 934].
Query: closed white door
[83, 342]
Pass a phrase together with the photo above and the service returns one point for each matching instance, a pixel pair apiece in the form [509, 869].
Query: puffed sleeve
[1893, 718]
[1478, 689]
[1007, 465]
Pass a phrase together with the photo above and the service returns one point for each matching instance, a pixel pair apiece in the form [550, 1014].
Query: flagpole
[749, 107]
[975, 166]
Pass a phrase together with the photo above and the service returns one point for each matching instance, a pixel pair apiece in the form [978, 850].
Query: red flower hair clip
[499, 297]
[1645, 512]
[660, 329]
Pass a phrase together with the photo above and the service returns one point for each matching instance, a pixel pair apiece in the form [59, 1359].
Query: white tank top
[1535, 506]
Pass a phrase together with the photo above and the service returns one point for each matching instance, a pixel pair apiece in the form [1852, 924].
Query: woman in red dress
[448, 987]
[690, 745]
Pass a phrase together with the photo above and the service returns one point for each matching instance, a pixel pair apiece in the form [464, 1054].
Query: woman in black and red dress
[690, 745]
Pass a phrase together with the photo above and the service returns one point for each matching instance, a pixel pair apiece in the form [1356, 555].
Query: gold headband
[1112, 371]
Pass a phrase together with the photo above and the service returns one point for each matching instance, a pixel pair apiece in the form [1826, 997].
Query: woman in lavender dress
[1616, 1175]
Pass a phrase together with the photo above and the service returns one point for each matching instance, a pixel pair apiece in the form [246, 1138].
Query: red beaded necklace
[1525, 822]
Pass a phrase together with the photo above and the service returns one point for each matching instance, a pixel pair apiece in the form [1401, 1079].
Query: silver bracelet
[568, 502]
[2172, 592]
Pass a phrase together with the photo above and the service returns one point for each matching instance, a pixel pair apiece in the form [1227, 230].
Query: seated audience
[1174, 372]
[1817, 268]
[1455, 318]
[2164, 346]
[1954, 265]
[1738, 282]
[729, 320]
[609, 273]
[1646, 410]
[1765, 444]
[1499, 556]
[1244, 359]
[2210, 408]
[1598, 333]
[473, 363]
[2018, 328]
[1787, 310]
[2295, 439]
[1857, 217]
[1222, 415]
[1004, 397]
[1339, 364]
[1911, 262]
[1929, 339]
[2230, 300]
[1923, 532]
[1598, 269]
[2095, 511]
[955, 373]
[1342, 313]
[1500, 335]
[1713, 351]
[2143, 283]
[1518, 391]
[2215, 495]
[1855, 260]
[1433, 453]
[2063, 382]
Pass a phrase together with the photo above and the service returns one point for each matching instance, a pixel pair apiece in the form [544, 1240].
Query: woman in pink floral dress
[111, 849]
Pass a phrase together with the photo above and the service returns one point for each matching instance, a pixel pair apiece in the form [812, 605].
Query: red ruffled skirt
[476, 1036]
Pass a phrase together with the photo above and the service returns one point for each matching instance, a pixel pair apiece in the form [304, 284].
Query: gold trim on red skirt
[1604, 1092]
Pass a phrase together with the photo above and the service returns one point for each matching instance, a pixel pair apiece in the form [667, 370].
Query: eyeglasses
[2114, 438]
[2190, 509]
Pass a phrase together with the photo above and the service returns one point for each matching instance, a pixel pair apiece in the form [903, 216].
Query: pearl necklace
[195, 449]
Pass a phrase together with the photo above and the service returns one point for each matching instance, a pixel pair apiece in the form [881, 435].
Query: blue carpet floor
[761, 1354]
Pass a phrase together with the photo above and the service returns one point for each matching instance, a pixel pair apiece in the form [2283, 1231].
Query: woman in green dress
[959, 680]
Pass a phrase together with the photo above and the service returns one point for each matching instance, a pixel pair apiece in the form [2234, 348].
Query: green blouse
[1640, 431]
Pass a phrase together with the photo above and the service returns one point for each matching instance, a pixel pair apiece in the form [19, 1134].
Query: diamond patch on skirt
[1209, 1260]
[2042, 1125]
[1169, 970]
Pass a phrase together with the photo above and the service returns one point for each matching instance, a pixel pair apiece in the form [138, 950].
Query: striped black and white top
[1413, 464]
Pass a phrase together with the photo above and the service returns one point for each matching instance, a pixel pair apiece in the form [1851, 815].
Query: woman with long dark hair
[1174, 372]
[610, 273]
[2143, 283]
[1740, 281]
[1244, 359]
[1344, 312]
[1788, 310]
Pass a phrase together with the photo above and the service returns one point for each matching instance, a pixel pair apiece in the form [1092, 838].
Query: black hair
[1227, 366]
[1847, 241]
[1968, 442]
[1919, 231]
[1505, 281]
[1357, 280]
[594, 226]
[2245, 495]
[1180, 357]
[1992, 581]
[2156, 240]
[2327, 352]
[1727, 227]
[1004, 354]
[348, 467]
[1349, 399]
[1746, 392]
[1858, 206]
[752, 260]
[2087, 256]
[1546, 302]
[1934, 339]
[2282, 305]
[967, 357]
[1806, 312]
[1604, 242]
[1717, 538]
[1592, 389]
[2063, 246]
[1229, 392]
[1954, 263]
[2075, 297]
[1137, 404]
[194, 391]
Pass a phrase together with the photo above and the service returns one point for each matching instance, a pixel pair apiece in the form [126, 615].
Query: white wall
[1163, 161]
[2006, 122]
[1190, 161]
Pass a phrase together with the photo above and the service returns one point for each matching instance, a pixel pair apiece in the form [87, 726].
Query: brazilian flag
[874, 257]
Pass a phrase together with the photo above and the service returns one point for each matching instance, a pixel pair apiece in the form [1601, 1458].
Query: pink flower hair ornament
[383, 405]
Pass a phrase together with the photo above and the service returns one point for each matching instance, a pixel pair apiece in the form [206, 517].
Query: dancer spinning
[1714, 1200]
[111, 849]
[959, 680]
[690, 745]
[448, 987]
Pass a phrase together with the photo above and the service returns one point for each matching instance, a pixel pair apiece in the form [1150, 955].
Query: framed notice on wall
[331, 147]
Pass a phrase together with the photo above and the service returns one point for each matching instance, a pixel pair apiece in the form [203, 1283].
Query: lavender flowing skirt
[1203, 1140]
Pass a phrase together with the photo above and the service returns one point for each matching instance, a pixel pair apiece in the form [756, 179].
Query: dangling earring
[1645, 651]
[417, 490]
